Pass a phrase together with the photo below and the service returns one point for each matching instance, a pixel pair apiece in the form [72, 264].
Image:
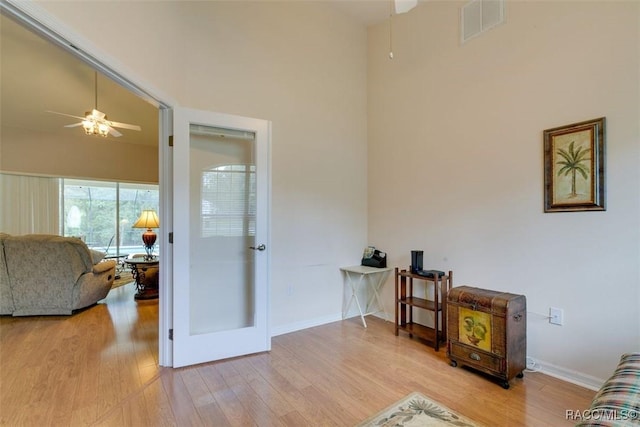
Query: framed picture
[574, 167]
[474, 328]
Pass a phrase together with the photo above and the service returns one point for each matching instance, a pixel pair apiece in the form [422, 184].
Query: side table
[119, 262]
[145, 273]
[373, 277]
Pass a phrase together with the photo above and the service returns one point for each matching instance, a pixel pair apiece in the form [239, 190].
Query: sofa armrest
[103, 266]
[94, 285]
[617, 403]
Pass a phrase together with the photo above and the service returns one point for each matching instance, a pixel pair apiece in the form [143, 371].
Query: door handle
[259, 248]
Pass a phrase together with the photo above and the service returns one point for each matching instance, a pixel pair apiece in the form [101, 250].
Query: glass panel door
[220, 272]
[223, 200]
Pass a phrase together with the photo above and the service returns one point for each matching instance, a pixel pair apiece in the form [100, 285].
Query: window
[102, 213]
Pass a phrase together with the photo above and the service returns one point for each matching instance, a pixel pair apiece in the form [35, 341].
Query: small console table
[145, 273]
[374, 278]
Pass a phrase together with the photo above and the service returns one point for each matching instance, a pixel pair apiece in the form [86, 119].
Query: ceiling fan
[95, 122]
[401, 6]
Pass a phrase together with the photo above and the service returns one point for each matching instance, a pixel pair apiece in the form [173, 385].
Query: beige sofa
[53, 275]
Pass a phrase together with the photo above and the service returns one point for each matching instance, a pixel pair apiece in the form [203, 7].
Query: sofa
[43, 274]
[617, 402]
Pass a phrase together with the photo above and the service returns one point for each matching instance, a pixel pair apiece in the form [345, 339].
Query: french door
[220, 243]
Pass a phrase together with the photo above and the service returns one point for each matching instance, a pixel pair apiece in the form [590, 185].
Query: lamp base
[149, 239]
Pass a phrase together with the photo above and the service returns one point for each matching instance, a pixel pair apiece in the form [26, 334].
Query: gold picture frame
[574, 167]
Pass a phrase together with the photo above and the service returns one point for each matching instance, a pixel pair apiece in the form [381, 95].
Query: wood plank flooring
[100, 367]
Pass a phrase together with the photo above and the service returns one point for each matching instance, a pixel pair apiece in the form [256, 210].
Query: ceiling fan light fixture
[92, 127]
[87, 126]
[95, 122]
[103, 129]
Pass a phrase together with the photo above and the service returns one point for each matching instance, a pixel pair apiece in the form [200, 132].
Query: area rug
[125, 278]
[417, 410]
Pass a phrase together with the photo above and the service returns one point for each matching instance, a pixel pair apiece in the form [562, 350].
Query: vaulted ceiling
[37, 76]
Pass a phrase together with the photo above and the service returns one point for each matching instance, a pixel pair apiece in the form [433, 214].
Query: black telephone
[374, 258]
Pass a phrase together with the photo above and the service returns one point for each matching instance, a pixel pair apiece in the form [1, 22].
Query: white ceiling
[37, 76]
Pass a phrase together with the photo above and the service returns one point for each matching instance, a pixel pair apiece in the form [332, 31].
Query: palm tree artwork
[573, 163]
[572, 166]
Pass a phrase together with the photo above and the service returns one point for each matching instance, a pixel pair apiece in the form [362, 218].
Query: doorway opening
[32, 17]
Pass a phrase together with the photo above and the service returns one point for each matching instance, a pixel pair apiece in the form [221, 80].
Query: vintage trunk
[487, 331]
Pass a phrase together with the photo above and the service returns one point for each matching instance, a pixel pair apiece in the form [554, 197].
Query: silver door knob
[259, 248]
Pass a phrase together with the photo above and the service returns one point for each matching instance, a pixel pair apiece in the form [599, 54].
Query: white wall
[454, 146]
[300, 65]
[456, 165]
[30, 152]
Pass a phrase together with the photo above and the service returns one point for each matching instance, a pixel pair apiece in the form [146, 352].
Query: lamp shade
[148, 219]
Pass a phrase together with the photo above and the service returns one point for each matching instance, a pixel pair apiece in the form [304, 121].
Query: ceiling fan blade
[99, 117]
[114, 132]
[124, 125]
[66, 115]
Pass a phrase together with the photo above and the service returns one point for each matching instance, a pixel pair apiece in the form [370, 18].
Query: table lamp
[148, 219]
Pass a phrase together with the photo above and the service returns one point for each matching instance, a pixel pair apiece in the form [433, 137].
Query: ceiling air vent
[479, 16]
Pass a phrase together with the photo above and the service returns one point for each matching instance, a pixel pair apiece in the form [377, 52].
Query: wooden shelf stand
[406, 302]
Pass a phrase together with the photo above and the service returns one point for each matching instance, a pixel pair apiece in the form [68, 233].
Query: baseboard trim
[305, 324]
[569, 375]
[318, 321]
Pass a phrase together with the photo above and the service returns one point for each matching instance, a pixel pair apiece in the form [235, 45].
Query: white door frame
[236, 340]
[165, 177]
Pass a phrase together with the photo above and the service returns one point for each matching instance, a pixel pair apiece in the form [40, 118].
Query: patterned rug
[417, 410]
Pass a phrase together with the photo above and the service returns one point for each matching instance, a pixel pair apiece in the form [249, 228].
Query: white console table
[372, 277]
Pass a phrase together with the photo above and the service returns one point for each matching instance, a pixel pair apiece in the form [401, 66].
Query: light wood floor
[100, 367]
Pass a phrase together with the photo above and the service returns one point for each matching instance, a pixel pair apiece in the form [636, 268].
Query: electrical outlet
[556, 316]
